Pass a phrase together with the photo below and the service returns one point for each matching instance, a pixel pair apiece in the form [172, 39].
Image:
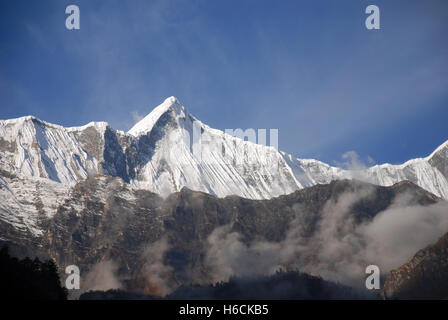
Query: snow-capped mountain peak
[147, 123]
[170, 149]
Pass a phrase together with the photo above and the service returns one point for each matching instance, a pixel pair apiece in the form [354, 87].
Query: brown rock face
[425, 276]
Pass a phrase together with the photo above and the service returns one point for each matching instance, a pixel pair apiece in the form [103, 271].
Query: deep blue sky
[309, 68]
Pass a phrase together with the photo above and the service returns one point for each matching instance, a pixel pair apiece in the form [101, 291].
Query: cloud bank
[339, 249]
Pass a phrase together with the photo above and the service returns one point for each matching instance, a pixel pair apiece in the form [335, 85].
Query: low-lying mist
[338, 248]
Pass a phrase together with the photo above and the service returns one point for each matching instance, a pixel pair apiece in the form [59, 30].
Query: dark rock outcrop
[425, 276]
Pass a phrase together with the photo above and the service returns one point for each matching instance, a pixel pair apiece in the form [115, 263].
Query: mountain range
[156, 155]
[144, 211]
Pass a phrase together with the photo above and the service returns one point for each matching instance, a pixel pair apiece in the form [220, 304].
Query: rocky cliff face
[425, 276]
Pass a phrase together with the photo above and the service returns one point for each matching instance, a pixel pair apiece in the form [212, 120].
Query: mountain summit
[146, 124]
[170, 149]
